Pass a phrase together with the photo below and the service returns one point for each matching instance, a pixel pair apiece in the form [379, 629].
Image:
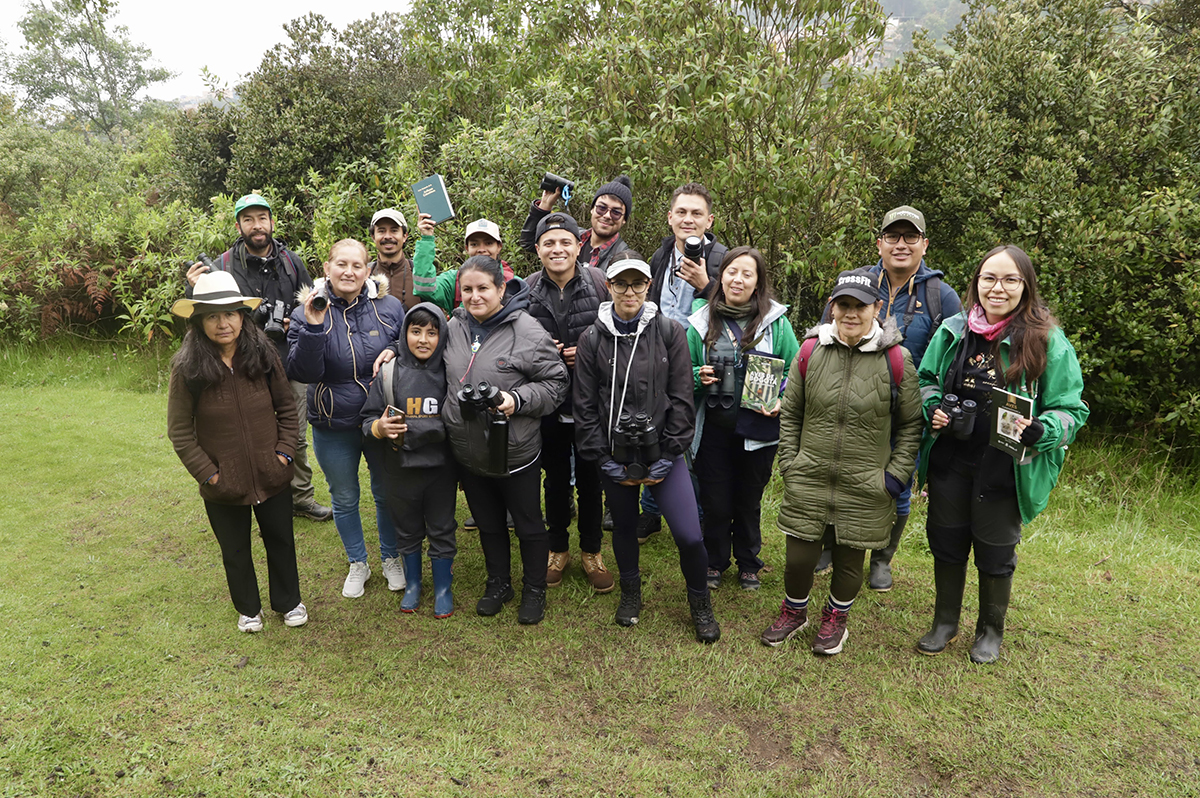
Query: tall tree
[75, 60]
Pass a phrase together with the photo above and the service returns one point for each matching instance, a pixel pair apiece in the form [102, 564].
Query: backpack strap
[806, 350]
[895, 359]
[933, 304]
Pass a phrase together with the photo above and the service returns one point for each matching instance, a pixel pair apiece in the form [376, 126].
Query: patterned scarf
[977, 321]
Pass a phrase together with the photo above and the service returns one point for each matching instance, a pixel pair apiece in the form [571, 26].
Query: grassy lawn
[122, 673]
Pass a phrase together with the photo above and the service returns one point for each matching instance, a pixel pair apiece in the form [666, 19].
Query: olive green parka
[836, 430]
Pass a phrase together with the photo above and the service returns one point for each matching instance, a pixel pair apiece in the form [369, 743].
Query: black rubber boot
[707, 629]
[950, 579]
[994, 592]
[631, 602]
[880, 578]
[496, 594]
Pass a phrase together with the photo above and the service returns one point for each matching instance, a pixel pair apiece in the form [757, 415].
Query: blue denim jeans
[339, 453]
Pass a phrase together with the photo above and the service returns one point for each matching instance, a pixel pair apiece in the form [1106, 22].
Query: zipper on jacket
[237, 399]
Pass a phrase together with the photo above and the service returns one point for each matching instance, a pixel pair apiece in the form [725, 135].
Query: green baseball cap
[250, 201]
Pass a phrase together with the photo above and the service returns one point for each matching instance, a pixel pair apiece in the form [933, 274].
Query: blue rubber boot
[443, 576]
[412, 576]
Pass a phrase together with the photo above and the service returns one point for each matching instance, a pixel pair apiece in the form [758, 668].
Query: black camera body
[635, 444]
[483, 400]
[723, 392]
[320, 300]
[271, 315]
[693, 248]
[552, 182]
[962, 415]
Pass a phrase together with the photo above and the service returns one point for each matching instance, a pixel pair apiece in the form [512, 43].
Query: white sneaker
[297, 616]
[248, 624]
[360, 572]
[393, 571]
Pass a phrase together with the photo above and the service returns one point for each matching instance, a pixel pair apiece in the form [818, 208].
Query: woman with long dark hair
[232, 420]
[734, 445]
[503, 373]
[980, 495]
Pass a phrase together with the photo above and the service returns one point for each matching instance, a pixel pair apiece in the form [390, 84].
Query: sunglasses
[603, 210]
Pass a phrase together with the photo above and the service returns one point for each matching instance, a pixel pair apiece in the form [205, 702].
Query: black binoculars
[483, 400]
[635, 444]
[723, 392]
[962, 415]
[552, 182]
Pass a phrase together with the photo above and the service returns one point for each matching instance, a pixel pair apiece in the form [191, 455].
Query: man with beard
[264, 267]
[389, 231]
[610, 210]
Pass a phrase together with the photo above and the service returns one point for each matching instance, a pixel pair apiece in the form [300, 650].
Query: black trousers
[558, 445]
[961, 518]
[802, 556]
[421, 502]
[731, 488]
[231, 525]
[490, 499]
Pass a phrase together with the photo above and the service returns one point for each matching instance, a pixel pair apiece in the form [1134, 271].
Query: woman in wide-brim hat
[232, 420]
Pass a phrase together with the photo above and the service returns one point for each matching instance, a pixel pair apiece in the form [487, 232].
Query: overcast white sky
[228, 37]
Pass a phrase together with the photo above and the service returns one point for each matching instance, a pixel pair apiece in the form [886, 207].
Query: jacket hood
[405, 356]
[923, 272]
[699, 318]
[604, 318]
[884, 335]
[375, 287]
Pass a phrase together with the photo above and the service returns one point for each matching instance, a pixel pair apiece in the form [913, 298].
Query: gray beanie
[620, 188]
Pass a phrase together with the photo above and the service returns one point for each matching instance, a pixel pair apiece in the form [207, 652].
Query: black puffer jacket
[516, 356]
[566, 321]
[660, 382]
[660, 266]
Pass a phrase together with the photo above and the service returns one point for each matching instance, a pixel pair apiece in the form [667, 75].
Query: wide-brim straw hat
[214, 291]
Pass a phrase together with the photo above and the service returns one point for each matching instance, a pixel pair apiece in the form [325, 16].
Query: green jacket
[835, 442]
[427, 283]
[1057, 403]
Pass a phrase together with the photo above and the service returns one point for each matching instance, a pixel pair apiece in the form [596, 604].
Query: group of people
[621, 380]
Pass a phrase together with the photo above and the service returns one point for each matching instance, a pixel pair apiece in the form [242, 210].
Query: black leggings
[490, 499]
[802, 556]
[231, 525]
[961, 519]
[731, 488]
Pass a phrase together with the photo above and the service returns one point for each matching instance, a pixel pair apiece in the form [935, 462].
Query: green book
[764, 375]
[432, 198]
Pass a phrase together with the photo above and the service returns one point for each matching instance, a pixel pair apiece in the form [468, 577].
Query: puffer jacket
[518, 357]
[660, 382]
[336, 357]
[836, 431]
[234, 428]
[1057, 403]
[583, 298]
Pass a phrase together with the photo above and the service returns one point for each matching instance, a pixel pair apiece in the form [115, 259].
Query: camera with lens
[552, 182]
[635, 444]
[693, 248]
[270, 315]
[320, 299]
[962, 415]
[723, 392]
[483, 400]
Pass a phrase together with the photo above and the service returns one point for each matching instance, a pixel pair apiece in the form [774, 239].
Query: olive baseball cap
[905, 213]
[250, 201]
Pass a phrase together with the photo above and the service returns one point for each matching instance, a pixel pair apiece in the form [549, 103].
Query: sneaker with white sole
[832, 634]
[297, 616]
[360, 572]
[393, 572]
[248, 624]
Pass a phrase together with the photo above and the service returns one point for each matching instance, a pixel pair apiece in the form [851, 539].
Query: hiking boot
[879, 578]
[312, 511]
[496, 593]
[833, 633]
[533, 605]
[647, 525]
[949, 580]
[249, 624]
[824, 563]
[631, 602]
[606, 523]
[597, 574]
[786, 626]
[714, 578]
[353, 587]
[470, 524]
[749, 581]
[297, 616]
[707, 629]
[994, 592]
[559, 560]
[393, 572]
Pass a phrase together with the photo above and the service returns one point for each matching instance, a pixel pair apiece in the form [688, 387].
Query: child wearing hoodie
[419, 470]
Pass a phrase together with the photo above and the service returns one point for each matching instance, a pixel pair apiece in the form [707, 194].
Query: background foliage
[1065, 126]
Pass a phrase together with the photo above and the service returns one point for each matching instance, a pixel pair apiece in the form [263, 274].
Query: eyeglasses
[622, 287]
[909, 238]
[612, 213]
[1009, 282]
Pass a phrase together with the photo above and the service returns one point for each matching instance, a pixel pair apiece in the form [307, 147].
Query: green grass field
[122, 673]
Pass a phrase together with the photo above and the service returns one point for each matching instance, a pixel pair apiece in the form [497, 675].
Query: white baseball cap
[390, 213]
[485, 227]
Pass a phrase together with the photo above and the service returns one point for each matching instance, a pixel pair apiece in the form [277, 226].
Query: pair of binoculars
[483, 400]
[962, 415]
[635, 444]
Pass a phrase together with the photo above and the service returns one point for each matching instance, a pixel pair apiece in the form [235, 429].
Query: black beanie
[620, 188]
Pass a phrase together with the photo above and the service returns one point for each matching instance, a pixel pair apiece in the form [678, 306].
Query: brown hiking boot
[597, 574]
[559, 560]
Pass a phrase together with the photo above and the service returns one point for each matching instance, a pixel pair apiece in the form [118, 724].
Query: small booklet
[1006, 409]
[432, 198]
[764, 375]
